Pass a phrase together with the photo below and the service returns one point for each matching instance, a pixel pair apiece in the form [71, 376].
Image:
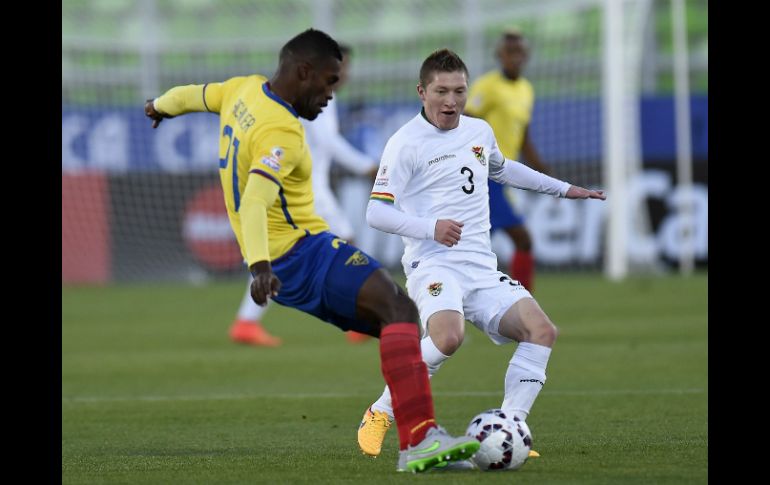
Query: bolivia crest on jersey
[479, 153]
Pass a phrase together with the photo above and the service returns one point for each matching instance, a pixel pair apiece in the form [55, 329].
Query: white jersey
[442, 174]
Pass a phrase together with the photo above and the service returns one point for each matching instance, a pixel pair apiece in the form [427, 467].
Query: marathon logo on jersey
[357, 259]
[384, 170]
[479, 153]
[441, 158]
[435, 288]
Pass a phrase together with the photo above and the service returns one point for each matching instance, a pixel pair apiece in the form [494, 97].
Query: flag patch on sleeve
[383, 197]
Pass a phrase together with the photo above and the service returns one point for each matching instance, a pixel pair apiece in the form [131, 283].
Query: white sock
[524, 379]
[432, 357]
[250, 310]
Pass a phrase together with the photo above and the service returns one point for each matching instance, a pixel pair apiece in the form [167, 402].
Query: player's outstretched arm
[519, 175]
[192, 98]
[575, 192]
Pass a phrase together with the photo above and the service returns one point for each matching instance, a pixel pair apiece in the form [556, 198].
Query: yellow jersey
[262, 142]
[506, 105]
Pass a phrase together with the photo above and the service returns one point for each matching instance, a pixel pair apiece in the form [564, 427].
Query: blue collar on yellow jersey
[277, 99]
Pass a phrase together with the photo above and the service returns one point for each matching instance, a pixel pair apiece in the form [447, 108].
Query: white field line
[339, 395]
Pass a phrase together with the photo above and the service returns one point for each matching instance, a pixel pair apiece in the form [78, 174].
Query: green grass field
[154, 392]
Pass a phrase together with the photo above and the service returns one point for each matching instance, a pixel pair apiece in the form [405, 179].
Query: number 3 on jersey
[468, 190]
[232, 143]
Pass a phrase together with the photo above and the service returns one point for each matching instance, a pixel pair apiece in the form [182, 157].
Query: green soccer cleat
[451, 466]
[437, 447]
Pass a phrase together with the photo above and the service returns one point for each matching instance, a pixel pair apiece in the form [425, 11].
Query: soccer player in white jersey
[325, 143]
[432, 190]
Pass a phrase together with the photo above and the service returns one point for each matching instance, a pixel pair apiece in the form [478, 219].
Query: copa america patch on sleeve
[274, 159]
[272, 163]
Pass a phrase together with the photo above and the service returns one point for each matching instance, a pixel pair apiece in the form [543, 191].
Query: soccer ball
[505, 442]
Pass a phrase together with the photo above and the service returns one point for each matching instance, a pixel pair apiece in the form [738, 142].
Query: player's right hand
[153, 114]
[265, 285]
[448, 232]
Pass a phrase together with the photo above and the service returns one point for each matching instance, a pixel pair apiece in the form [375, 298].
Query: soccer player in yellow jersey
[265, 169]
[325, 143]
[505, 99]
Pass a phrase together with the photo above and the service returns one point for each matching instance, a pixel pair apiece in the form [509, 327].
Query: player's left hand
[576, 192]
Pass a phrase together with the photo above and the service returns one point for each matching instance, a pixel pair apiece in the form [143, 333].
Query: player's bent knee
[545, 333]
[448, 343]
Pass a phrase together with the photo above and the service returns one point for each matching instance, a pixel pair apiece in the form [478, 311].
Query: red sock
[407, 377]
[523, 269]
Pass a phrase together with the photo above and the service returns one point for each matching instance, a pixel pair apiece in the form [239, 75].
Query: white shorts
[482, 295]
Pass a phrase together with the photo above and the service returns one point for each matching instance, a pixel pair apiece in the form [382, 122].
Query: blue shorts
[501, 212]
[321, 275]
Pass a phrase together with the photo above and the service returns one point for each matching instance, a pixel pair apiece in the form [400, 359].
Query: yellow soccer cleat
[534, 454]
[371, 431]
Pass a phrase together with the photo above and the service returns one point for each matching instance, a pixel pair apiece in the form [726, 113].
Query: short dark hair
[442, 60]
[311, 45]
[512, 34]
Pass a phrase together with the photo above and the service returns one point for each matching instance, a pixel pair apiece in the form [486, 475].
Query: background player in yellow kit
[504, 98]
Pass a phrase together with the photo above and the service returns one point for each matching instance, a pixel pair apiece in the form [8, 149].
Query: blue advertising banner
[118, 140]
